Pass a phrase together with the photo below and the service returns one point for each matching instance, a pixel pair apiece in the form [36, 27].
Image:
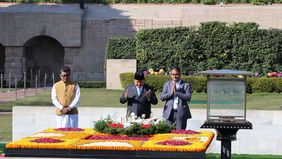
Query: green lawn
[5, 128]
[236, 156]
[110, 98]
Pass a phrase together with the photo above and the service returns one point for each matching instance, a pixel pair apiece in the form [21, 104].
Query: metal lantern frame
[226, 126]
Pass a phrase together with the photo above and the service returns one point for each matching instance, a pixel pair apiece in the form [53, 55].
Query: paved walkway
[19, 94]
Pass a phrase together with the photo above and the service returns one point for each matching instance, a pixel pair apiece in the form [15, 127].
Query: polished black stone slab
[216, 124]
[102, 154]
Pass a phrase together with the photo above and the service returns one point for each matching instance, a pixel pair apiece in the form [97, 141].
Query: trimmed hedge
[121, 48]
[165, 48]
[212, 45]
[126, 79]
[199, 83]
[92, 84]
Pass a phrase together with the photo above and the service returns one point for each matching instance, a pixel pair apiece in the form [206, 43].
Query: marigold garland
[69, 129]
[135, 145]
[55, 130]
[46, 140]
[91, 140]
[27, 143]
[173, 143]
[184, 132]
[61, 135]
[117, 137]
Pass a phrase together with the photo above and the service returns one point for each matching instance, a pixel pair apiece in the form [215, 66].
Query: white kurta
[66, 120]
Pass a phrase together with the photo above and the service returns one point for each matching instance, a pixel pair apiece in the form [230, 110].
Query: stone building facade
[43, 37]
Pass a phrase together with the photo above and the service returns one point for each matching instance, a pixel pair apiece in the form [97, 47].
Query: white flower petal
[124, 144]
[47, 134]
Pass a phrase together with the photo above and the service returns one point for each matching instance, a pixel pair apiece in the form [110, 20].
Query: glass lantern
[226, 95]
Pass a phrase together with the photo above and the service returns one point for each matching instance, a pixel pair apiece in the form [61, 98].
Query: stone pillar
[14, 62]
[115, 67]
[73, 60]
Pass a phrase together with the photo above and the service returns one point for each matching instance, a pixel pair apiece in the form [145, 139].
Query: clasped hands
[173, 90]
[65, 110]
[147, 94]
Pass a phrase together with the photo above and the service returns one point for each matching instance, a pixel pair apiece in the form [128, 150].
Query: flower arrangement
[152, 72]
[46, 140]
[132, 134]
[133, 126]
[181, 141]
[173, 142]
[69, 129]
[117, 137]
[184, 132]
[274, 74]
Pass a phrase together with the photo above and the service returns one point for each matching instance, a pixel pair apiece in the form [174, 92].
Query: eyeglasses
[67, 75]
[175, 74]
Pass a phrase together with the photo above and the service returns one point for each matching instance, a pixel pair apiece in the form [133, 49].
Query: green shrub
[209, 2]
[263, 84]
[237, 1]
[142, 1]
[157, 81]
[261, 2]
[199, 83]
[121, 48]
[213, 45]
[126, 79]
[216, 41]
[165, 48]
[278, 84]
[249, 84]
[92, 84]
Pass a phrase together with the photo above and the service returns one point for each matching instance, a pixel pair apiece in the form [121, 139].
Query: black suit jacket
[139, 104]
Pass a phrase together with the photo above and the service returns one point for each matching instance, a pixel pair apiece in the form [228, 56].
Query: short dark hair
[65, 69]
[176, 68]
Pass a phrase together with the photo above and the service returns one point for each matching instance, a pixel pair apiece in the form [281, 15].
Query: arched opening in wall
[43, 55]
[2, 59]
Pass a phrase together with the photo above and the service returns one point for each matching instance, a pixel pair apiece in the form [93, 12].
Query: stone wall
[95, 34]
[14, 62]
[115, 67]
[84, 33]
[102, 22]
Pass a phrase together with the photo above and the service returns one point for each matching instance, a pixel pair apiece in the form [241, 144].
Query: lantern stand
[226, 125]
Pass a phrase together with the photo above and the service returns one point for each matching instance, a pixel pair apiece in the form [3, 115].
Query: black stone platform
[102, 154]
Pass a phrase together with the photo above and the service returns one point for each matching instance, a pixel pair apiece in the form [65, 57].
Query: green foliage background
[212, 45]
[199, 83]
[121, 48]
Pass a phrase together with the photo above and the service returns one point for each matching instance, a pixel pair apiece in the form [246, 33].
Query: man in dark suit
[139, 97]
[176, 94]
